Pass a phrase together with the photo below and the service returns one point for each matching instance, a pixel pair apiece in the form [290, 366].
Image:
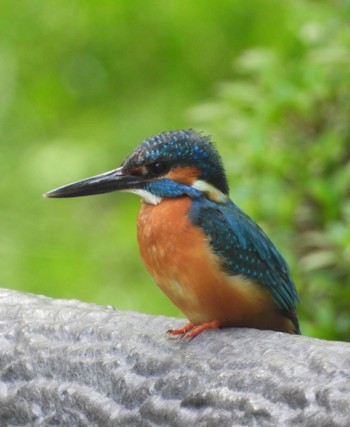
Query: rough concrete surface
[68, 363]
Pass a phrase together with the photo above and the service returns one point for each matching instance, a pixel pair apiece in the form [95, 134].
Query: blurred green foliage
[83, 82]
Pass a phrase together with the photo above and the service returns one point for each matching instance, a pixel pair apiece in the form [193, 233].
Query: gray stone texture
[68, 363]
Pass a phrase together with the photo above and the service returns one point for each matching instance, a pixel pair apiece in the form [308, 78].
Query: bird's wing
[245, 249]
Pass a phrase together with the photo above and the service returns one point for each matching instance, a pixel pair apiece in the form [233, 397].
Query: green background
[83, 82]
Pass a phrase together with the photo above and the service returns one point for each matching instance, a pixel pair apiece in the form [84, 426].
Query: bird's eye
[158, 168]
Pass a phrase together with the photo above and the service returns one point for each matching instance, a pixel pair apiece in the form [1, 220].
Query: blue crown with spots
[182, 148]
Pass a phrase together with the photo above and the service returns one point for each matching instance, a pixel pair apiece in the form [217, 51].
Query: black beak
[104, 183]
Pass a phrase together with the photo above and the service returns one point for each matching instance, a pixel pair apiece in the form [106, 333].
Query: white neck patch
[146, 196]
[213, 193]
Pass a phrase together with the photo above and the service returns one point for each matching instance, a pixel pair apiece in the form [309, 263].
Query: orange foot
[190, 331]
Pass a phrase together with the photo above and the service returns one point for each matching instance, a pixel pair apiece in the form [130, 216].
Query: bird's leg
[190, 331]
[182, 330]
[197, 329]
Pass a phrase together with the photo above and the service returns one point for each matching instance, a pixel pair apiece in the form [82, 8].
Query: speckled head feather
[182, 148]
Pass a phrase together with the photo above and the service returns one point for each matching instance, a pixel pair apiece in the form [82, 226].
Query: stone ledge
[64, 362]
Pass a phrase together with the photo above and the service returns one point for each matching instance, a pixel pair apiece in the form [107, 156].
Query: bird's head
[160, 167]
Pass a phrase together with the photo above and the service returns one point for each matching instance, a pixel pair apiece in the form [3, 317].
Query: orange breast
[178, 256]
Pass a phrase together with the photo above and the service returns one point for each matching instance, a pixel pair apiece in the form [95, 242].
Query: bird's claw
[181, 331]
[190, 331]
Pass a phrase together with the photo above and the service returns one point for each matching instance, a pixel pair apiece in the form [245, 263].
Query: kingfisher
[209, 257]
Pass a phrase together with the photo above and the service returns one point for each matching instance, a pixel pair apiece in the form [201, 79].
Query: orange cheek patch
[186, 175]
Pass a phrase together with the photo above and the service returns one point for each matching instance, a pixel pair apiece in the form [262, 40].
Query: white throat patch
[146, 196]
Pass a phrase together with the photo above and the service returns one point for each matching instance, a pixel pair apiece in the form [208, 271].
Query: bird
[208, 256]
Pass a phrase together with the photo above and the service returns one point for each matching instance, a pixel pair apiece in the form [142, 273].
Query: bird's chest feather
[166, 237]
[179, 257]
[173, 250]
